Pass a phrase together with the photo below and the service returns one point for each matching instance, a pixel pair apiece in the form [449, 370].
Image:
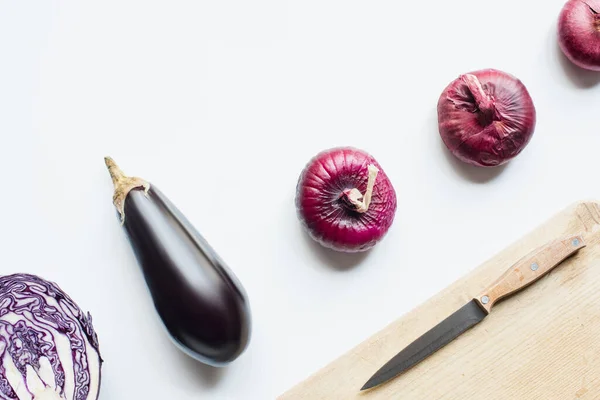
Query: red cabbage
[48, 347]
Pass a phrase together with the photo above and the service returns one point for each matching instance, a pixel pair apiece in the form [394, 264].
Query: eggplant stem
[123, 185]
[354, 195]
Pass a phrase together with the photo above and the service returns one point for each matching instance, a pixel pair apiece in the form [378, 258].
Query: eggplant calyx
[123, 185]
[359, 201]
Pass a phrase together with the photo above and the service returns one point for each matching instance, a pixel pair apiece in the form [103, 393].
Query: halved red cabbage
[48, 347]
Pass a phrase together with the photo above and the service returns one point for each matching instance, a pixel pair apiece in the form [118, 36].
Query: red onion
[345, 200]
[486, 117]
[579, 33]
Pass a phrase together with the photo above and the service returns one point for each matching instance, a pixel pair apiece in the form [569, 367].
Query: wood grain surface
[540, 344]
[529, 269]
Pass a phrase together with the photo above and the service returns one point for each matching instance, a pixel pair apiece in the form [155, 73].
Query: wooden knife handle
[529, 269]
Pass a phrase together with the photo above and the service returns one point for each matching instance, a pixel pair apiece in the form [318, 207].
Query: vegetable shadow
[207, 375]
[582, 78]
[335, 259]
[471, 172]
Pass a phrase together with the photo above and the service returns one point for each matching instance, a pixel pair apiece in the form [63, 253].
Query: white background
[220, 104]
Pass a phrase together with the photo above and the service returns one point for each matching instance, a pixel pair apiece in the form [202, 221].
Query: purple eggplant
[201, 303]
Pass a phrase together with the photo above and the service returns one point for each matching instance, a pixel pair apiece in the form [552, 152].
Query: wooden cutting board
[541, 344]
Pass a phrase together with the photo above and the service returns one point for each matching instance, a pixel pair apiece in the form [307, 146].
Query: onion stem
[596, 18]
[354, 195]
[123, 185]
[485, 102]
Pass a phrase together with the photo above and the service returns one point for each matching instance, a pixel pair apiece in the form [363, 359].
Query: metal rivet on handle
[485, 299]
[534, 266]
[575, 242]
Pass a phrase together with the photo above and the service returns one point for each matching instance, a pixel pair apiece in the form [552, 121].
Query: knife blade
[523, 273]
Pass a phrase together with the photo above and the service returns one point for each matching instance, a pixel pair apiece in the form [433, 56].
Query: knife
[524, 272]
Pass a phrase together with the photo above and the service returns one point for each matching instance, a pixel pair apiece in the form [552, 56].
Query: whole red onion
[486, 117]
[579, 33]
[345, 200]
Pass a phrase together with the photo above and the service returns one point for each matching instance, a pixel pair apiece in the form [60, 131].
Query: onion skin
[486, 117]
[322, 200]
[579, 33]
[202, 305]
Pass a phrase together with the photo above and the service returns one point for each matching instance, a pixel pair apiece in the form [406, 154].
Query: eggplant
[201, 303]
